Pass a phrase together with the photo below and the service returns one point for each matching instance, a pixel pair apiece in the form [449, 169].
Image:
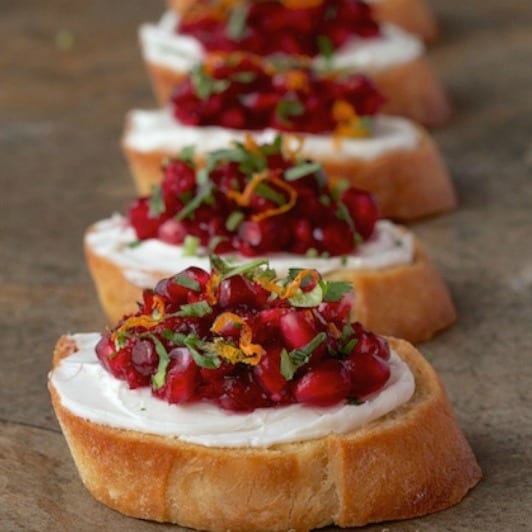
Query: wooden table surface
[71, 70]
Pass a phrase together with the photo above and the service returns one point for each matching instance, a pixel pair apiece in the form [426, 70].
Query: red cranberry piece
[238, 290]
[144, 357]
[335, 238]
[324, 385]
[371, 344]
[298, 328]
[242, 394]
[363, 210]
[338, 311]
[368, 373]
[179, 178]
[270, 234]
[267, 372]
[182, 377]
[119, 363]
[172, 231]
[140, 220]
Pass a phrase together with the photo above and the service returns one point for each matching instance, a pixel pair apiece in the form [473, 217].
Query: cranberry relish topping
[294, 27]
[254, 199]
[239, 92]
[244, 339]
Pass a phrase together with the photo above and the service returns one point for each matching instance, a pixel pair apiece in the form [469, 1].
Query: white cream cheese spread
[162, 46]
[158, 130]
[143, 264]
[87, 390]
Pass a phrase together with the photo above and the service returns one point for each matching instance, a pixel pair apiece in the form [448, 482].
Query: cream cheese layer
[88, 391]
[145, 262]
[158, 130]
[161, 45]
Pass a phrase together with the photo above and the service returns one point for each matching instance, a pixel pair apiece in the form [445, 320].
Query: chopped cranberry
[267, 373]
[242, 394]
[368, 374]
[238, 290]
[363, 210]
[172, 231]
[284, 354]
[298, 328]
[139, 217]
[182, 377]
[272, 27]
[144, 357]
[324, 385]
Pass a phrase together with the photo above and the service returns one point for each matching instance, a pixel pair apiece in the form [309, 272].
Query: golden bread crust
[408, 184]
[410, 462]
[409, 301]
[414, 16]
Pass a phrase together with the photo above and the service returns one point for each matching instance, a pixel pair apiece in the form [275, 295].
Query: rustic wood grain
[61, 113]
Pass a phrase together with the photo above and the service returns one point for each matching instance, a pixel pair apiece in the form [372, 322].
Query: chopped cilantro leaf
[197, 310]
[236, 25]
[287, 108]
[184, 280]
[159, 378]
[301, 170]
[335, 290]
[293, 360]
[156, 202]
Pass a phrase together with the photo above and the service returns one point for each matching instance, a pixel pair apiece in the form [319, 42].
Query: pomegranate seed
[182, 377]
[172, 231]
[267, 373]
[324, 385]
[144, 357]
[242, 394]
[363, 210]
[368, 374]
[298, 328]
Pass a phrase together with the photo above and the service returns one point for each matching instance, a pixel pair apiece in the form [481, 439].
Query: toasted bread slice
[410, 462]
[409, 183]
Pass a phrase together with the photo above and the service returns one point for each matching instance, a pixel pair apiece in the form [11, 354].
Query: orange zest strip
[244, 198]
[293, 287]
[252, 352]
[148, 322]
[212, 287]
[286, 292]
[348, 122]
[292, 198]
[297, 80]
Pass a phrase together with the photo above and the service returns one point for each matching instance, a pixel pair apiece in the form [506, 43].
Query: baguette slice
[406, 78]
[409, 183]
[411, 462]
[409, 301]
[414, 16]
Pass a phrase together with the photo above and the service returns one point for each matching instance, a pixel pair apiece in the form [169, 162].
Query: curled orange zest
[244, 198]
[252, 352]
[146, 321]
[295, 285]
[297, 80]
[292, 198]
[286, 292]
[348, 122]
[211, 287]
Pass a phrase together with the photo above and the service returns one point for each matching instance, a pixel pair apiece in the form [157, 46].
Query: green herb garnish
[301, 170]
[234, 220]
[236, 25]
[159, 378]
[156, 202]
[293, 360]
[287, 108]
[190, 246]
[194, 310]
[205, 85]
[184, 280]
[335, 290]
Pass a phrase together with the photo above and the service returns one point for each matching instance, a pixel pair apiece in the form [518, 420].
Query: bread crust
[414, 16]
[408, 184]
[408, 301]
[408, 463]
[412, 89]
